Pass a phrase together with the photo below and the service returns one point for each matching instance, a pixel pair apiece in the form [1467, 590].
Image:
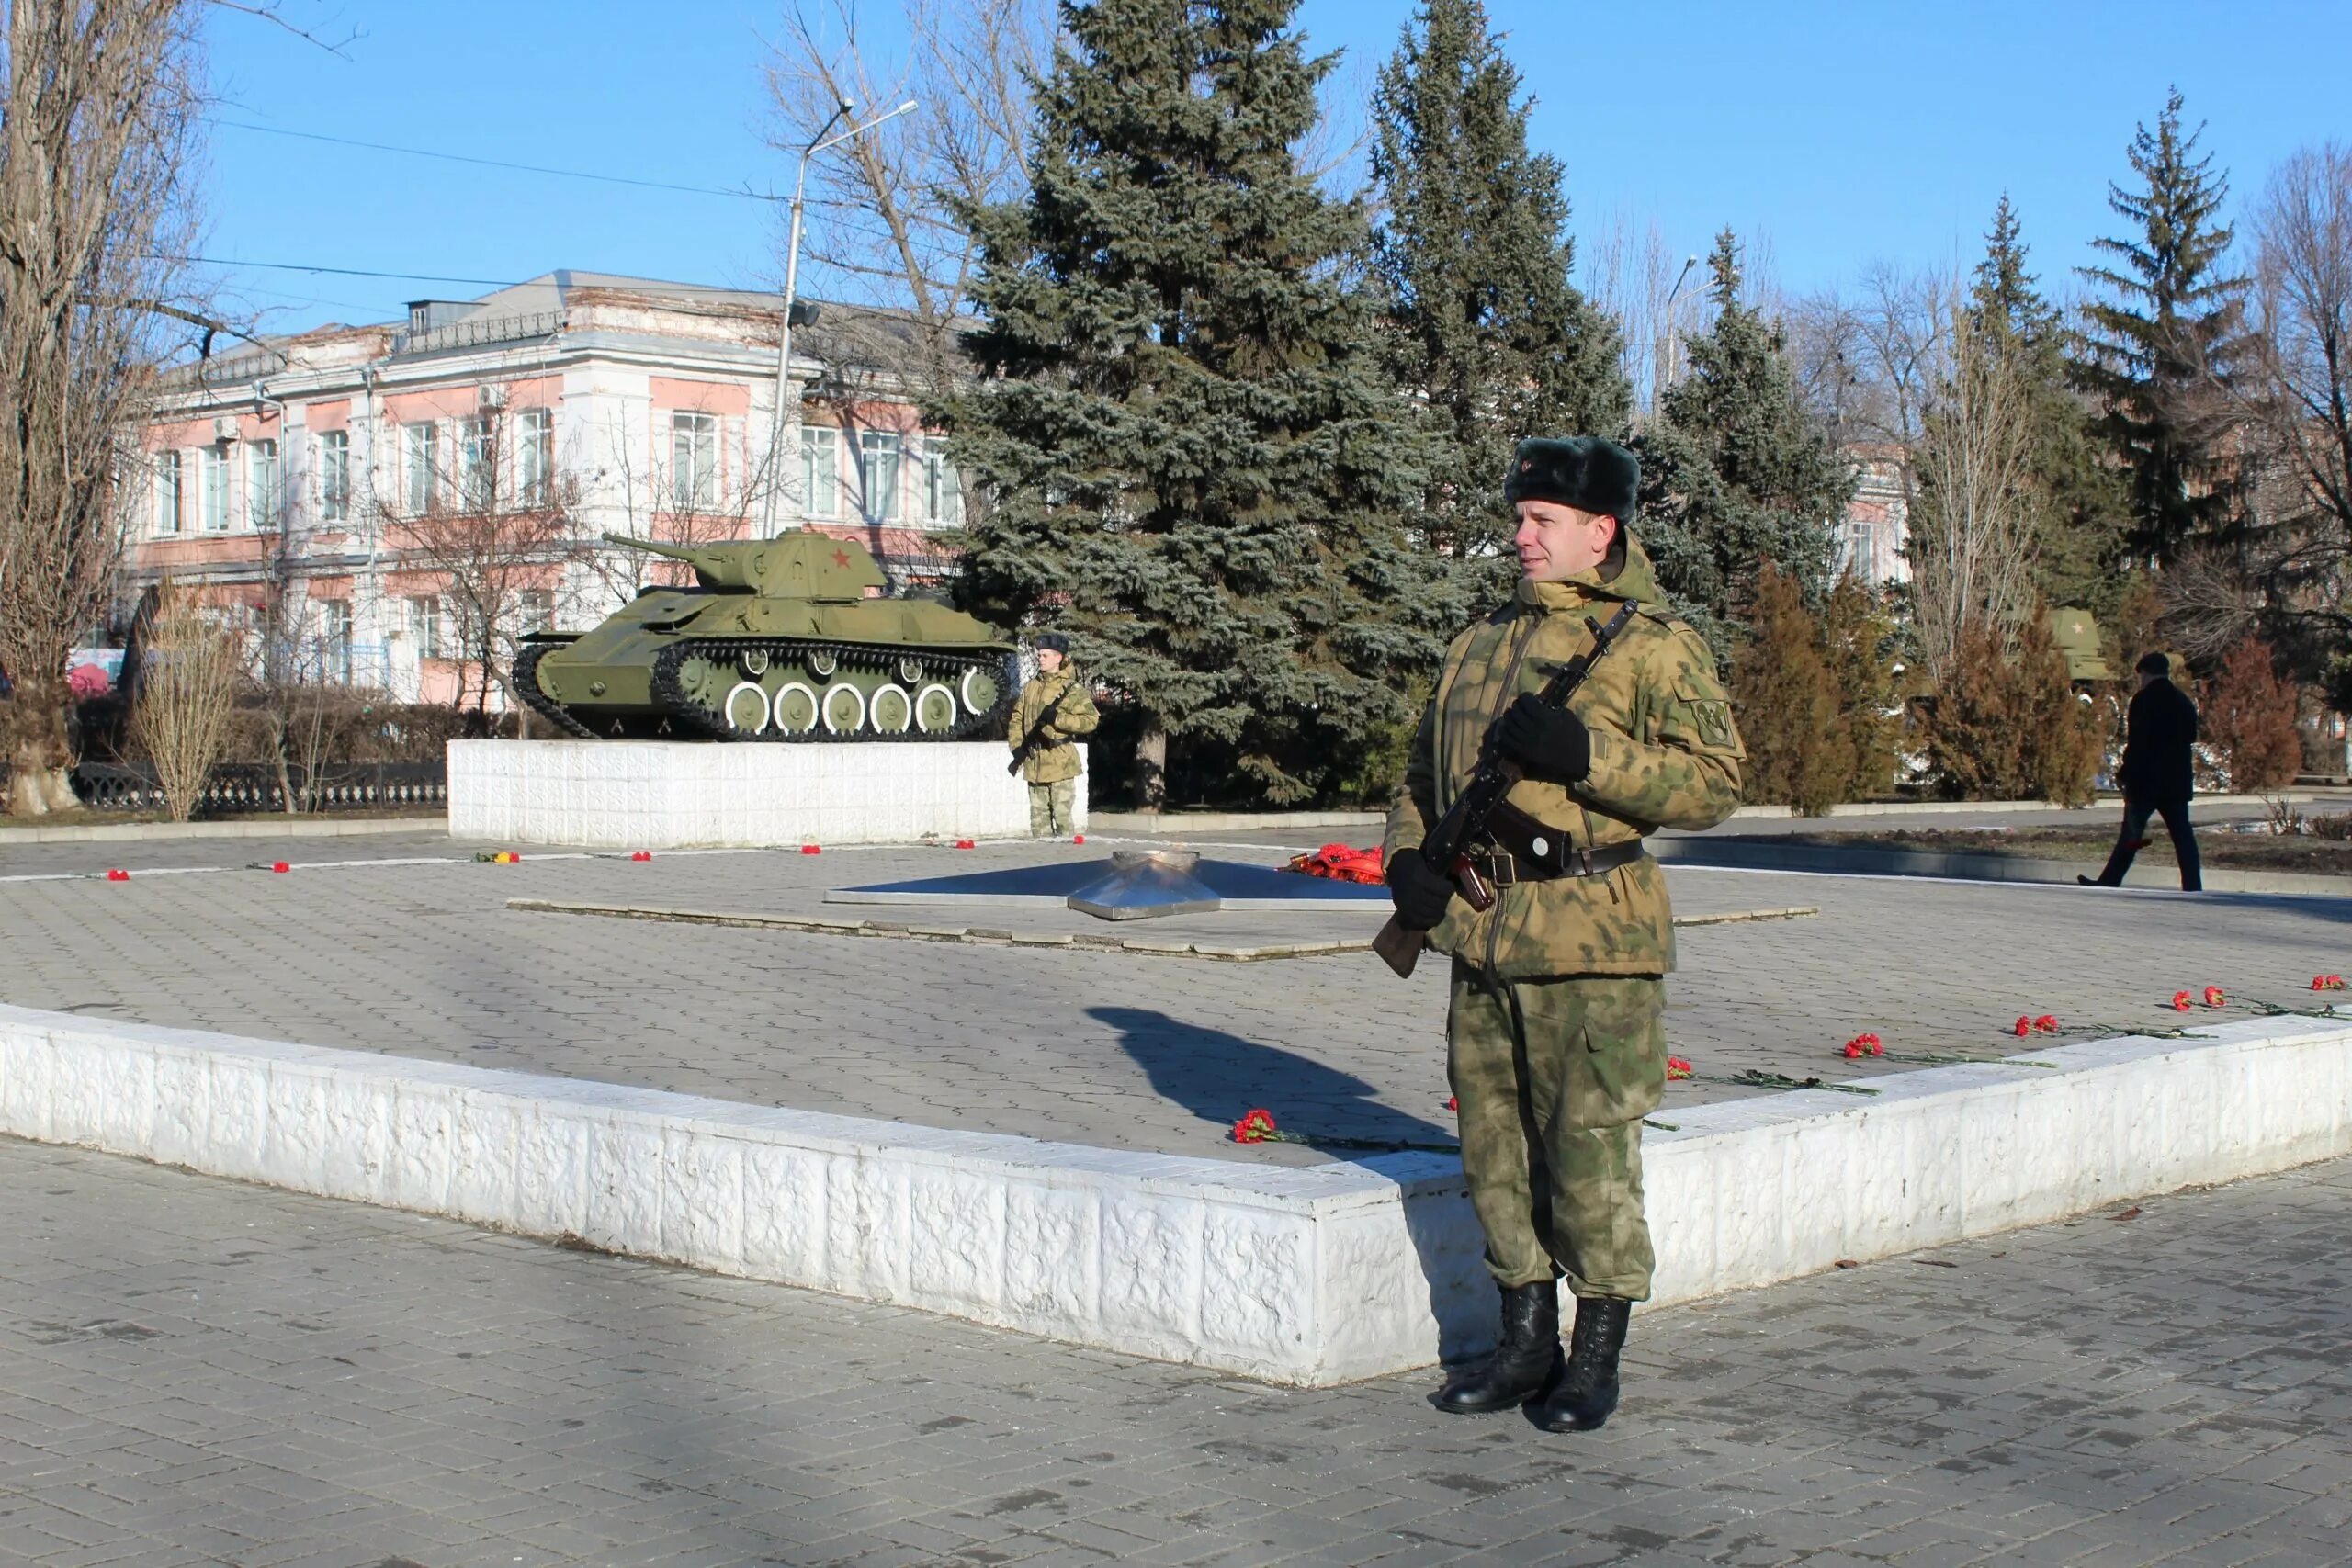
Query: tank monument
[780, 698]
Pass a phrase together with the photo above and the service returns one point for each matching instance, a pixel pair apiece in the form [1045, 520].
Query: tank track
[693, 718]
[527, 683]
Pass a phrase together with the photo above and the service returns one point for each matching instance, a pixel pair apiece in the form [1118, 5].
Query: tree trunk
[1151, 767]
[39, 782]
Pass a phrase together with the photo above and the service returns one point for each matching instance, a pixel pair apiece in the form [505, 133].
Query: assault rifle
[1034, 739]
[1447, 847]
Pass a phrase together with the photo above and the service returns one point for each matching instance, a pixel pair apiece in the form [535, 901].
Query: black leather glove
[1550, 743]
[1420, 893]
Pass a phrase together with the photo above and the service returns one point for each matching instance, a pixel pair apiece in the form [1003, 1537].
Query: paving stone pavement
[406, 945]
[204, 1373]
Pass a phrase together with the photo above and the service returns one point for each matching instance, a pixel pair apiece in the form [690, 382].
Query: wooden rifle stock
[1447, 847]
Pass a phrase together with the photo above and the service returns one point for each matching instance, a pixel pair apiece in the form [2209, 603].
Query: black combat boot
[1523, 1363]
[1586, 1390]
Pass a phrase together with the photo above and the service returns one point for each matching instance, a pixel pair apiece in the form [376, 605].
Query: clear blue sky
[1842, 132]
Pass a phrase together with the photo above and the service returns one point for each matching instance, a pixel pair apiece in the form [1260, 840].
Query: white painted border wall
[654, 794]
[1306, 1276]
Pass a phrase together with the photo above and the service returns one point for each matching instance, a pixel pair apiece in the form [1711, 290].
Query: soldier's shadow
[1219, 1075]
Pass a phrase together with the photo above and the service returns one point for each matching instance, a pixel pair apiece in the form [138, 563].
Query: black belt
[1553, 860]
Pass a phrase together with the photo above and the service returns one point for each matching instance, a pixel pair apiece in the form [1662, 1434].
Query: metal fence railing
[237, 789]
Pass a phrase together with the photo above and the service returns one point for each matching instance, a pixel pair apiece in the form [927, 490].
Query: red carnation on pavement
[2024, 1026]
[2180, 1001]
[2327, 982]
[1864, 1044]
[1677, 1067]
[2046, 1024]
[1452, 1103]
[1254, 1128]
[2213, 996]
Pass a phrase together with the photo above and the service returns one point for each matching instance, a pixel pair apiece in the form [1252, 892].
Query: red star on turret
[840, 558]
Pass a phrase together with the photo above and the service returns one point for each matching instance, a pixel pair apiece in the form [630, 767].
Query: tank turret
[778, 640]
[804, 565]
[2076, 634]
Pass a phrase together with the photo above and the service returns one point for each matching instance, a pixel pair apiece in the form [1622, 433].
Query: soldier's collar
[1568, 594]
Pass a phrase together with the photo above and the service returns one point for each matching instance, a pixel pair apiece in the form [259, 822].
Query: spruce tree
[2079, 499]
[2162, 346]
[1734, 473]
[1475, 263]
[1191, 457]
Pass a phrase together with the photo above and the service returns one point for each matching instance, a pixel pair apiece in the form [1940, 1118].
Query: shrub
[2248, 721]
[1800, 753]
[2005, 724]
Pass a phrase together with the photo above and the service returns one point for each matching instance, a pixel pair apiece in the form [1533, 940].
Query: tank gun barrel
[675, 552]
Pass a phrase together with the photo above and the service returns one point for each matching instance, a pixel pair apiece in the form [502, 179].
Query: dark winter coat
[2161, 729]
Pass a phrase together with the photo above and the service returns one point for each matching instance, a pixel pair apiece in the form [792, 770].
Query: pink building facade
[395, 500]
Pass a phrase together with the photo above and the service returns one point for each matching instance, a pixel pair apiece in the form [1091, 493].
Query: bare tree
[680, 497]
[187, 696]
[490, 515]
[884, 205]
[1655, 296]
[1973, 526]
[2300, 399]
[100, 130]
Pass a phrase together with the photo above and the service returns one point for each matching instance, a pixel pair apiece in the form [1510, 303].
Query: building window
[334, 477]
[334, 640]
[214, 461]
[262, 495]
[477, 464]
[878, 453]
[942, 488]
[419, 459]
[821, 470]
[694, 462]
[536, 461]
[537, 610]
[169, 519]
[424, 625]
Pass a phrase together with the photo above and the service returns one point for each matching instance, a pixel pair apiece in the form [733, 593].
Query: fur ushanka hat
[1582, 471]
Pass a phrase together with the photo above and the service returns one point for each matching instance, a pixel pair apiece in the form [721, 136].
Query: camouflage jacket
[1664, 754]
[1066, 710]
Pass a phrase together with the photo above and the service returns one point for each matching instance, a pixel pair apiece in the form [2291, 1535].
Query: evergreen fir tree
[1192, 459]
[1734, 472]
[2162, 347]
[1474, 261]
[2080, 515]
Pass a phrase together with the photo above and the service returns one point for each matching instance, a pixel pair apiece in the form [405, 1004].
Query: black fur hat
[1582, 471]
[1053, 642]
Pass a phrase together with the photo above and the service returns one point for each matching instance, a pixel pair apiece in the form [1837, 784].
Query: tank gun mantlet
[806, 564]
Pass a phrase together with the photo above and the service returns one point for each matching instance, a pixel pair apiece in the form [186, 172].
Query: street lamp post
[1664, 373]
[784, 396]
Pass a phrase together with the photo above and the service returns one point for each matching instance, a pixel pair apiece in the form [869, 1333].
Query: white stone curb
[656, 795]
[1310, 1276]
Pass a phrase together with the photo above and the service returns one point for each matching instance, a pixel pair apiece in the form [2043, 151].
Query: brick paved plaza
[203, 1371]
[424, 959]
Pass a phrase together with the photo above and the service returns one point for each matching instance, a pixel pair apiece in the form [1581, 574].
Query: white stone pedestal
[654, 794]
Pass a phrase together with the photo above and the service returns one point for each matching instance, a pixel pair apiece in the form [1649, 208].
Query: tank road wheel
[934, 709]
[821, 661]
[979, 689]
[796, 707]
[891, 709]
[747, 708]
[844, 708]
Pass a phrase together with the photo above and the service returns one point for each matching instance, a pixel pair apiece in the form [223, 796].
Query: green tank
[777, 640]
[2076, 634]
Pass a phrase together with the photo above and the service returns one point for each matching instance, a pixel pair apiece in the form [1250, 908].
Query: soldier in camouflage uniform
[1555, 1040]
[1054, 710]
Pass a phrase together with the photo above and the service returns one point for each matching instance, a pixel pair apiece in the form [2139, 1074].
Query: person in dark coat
[2157, 776]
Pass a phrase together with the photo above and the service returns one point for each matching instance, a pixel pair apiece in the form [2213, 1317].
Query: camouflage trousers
[1051, 807]
[1552, 1078]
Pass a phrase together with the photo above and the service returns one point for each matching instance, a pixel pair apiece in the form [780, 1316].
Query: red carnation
[2180, 1002]
[1676, 1067]
[1254, 1128]
[1451, 1104]
[2213, 996]
[2024, 1026]
[2046, 1024]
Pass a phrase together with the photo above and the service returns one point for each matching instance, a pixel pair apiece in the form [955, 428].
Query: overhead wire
[495, 162]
